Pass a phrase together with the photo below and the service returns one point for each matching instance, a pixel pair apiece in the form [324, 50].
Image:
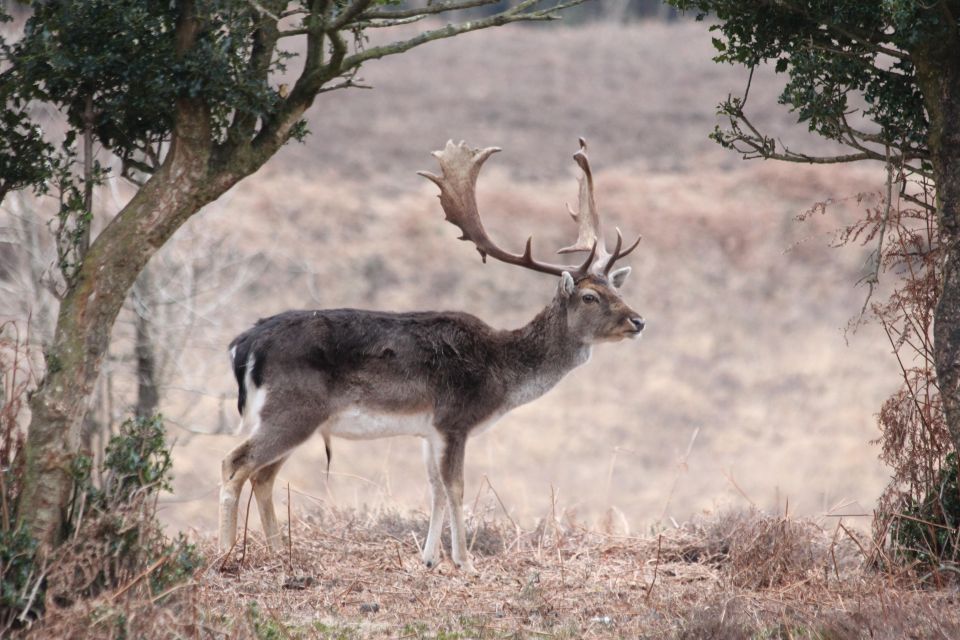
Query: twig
[855, 541]
[656, 567]
[246, 522]
[833, 556]
[729, 477]
[33, 595]
[681, 468]
[140, 577]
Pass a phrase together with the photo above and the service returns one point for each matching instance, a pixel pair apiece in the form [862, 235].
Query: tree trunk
[148, 396]
[939, 77]
[176, 191]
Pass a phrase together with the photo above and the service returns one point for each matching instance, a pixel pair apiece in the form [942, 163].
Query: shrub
[115, 539]
[926, 531]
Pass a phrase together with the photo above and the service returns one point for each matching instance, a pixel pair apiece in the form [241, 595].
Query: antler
[460, 166]
[590, 236]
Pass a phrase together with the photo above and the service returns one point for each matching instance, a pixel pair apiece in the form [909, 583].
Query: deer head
[589, 291]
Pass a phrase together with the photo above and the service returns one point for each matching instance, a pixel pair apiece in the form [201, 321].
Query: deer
[440, 376]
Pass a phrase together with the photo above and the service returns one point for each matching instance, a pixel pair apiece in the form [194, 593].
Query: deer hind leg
[262, 481]
[235, 470]
[438, 505]
[451, 470]
[260, 458]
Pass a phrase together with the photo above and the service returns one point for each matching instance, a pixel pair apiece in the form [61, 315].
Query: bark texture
[180, 188]
[938, 67]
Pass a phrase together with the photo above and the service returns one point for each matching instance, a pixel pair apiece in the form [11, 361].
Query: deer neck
[541, 353]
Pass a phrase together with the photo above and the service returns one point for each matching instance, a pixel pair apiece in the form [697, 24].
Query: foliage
[917, 515]
[836, 56]
[133, 84]
[17, 576]
[114, 539]
[114, 535]
[928, 530]
[18, 573]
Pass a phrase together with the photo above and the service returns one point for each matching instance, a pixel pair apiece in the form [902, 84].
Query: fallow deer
[442, 376]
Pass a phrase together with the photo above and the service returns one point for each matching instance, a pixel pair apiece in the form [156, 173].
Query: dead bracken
[350, 574]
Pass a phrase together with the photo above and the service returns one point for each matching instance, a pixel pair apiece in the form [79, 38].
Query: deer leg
[262, 482]
[236, 468]
[451, 470]
[282, 429]
[431, 548]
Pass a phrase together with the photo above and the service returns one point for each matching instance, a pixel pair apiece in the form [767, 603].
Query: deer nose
[637, 323]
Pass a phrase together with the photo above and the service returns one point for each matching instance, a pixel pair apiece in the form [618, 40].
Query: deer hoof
[467, 567]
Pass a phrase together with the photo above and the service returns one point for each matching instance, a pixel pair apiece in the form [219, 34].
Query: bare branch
[379, 24]
[437, 7]
[353, 10]
[516, 14]
[754, 144]
[321, 24]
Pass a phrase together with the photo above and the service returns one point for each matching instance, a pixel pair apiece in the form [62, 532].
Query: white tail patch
[256, 398]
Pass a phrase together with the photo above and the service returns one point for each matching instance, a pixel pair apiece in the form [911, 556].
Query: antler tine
[460, 165]
[616, 252]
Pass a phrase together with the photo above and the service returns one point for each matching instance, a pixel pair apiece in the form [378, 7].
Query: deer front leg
[451, 470]
[438, 505]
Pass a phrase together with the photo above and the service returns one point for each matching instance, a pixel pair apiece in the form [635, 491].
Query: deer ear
[618, 277]
[567, 285]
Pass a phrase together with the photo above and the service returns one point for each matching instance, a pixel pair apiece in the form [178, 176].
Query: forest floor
[352, 575]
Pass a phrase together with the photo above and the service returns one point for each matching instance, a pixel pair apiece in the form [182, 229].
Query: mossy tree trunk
[938, 72]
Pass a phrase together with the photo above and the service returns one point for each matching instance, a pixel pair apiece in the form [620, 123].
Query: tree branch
[754, 144]
[265, 38]
[353, 10]
[320, 25]
[516, 14]
[437, 7]
[867, 40]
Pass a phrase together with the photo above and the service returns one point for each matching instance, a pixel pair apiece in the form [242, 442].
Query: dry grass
[352, 574]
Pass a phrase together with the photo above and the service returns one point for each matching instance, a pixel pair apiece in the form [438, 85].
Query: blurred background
[747, 387]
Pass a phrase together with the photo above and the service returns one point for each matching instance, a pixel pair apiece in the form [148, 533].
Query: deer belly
[358, 423]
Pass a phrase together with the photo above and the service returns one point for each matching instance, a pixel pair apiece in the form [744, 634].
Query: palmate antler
[590, 234]
[460, 165]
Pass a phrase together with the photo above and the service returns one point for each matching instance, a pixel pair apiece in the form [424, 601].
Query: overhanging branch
[325, 27]
[437, 7]
[516, 14]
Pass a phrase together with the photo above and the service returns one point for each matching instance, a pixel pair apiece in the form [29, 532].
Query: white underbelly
[356, 423]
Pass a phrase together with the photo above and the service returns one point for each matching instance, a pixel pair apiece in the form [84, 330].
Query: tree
[880, 77]
[188, 95]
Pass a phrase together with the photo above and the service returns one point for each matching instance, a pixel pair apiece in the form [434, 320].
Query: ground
[352, 575]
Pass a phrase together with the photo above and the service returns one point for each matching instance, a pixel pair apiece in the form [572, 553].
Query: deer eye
[590, 298]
